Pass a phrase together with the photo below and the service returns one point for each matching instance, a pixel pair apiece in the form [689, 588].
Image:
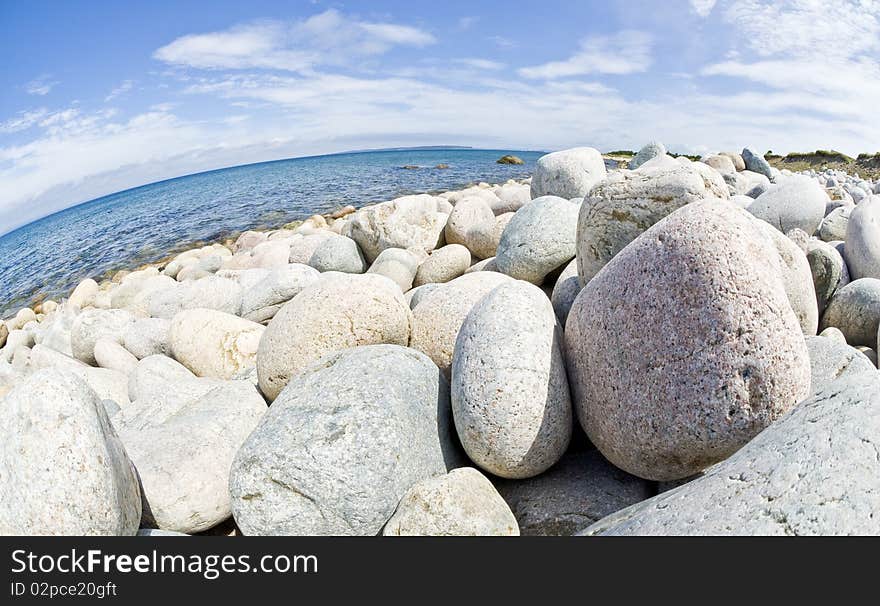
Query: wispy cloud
[626, 52]
[40, 86]
[23, 120]
[465, 23]
[327, 38]
[123, 88]
[486, 64]
[703, 7]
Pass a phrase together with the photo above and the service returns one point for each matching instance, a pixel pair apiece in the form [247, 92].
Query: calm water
[51, 255]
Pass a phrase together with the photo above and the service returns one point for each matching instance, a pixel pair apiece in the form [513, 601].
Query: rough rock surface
[673, 366]
[401, 223]
[510, 397]
[339, 311]
[460, 503]
[813, 472]
[797, 202]
[342, 444]
[94, 324]
[830, 359]
[214, 344]
[863, 240]
[569, 173]
[63, 469]
[443, 264]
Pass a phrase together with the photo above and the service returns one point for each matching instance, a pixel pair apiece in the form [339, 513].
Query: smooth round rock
[93, 324]
[795, 202]
[84, 294]
[460, 503]
[443, 264]
[540, 238]
[339, 311]
[672, 363]
[835, 223]
[440, 314]
[64, 471]
[652, 150]
[110, 354]
[566, 289]
[183, 461]
[343, 443]
[410, 221]
[338, 254]
[212, 292]
[280, 285]
[398, 265]
[627, 203]
[828, 269]
[755, 162]
[510, 397]
[855, 310]
[569, 173]
[213, 344]
[863, 240]
[470, 223]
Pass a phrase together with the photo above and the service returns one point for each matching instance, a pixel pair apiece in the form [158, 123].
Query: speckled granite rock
[63, 469]
[460, 503]
[830, 359]
[339, 311]
[666, 398]
[855, 310]
[342, 444]
[510, 397]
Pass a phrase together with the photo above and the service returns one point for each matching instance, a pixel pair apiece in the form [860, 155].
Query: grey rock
[401, 223]
[627, 203]
[338, 254]
[795, 202]
[443, 264]
[147, 337]
[855, 310]
[797, 278]
[510, 397]
[830, 360]
[460, 503]
[566, 289]
[813, 472]
[835, 223]
[339, 311]
[652, 150]
[278, 287]
[64, 471]
[863, 240]
[828, 269]
[756, 162]
[212, 292]
[214, 344]
[570, 173]
[93, 324]
[540, 238]
[398, 265]
[337, 461]
[579, 490]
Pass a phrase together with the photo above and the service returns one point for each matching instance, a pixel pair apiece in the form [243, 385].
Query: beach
[656, 346]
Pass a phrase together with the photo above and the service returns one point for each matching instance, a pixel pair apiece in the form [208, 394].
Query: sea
[49, 257]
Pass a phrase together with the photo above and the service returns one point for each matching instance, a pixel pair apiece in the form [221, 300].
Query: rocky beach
[664, 346]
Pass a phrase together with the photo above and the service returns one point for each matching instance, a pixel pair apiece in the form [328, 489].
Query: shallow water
[50, 256]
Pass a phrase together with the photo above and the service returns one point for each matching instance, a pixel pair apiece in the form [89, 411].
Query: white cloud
[23, 120]
[123, 88]
[40, 86]
[703, 7]
[486, 64]
[626, 52]
[327, 38]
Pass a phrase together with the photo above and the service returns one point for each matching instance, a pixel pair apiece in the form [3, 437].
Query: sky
[99, 96]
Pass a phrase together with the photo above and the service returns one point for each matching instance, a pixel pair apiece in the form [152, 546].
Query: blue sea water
[50, 256]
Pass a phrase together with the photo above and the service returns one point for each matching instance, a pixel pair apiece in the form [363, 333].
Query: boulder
[398, 265]
[863, 240]
[471, 224]
[855, 310]
[64, 470]
[567, 287]
[627, 203]
[795, 202]
[579, 490]
[828, 269]
[723, 164]
[510, 397]
[94, 324]
[755, 162]
[110, 354]
[460, 503]
[261, 301]
[338, 253]
[440, 314]
[183, 461]
[540, 238]
[339, 311]
[212, 292]
[401, 223]
[343, 443]
[84, 294]
[736, 158]
[211, 343]
[672, 364]
[835, 223]
[652, 150]
[570, 173]
[813, 472]
[443, 264]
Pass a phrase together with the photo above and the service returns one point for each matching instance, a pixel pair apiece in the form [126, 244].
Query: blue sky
[101, 96]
